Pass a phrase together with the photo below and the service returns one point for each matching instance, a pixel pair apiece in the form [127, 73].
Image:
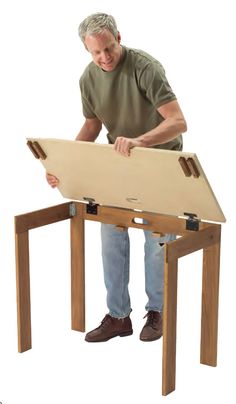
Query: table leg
[169, 327]
[77, 272]
[23, 291]
[210, 296]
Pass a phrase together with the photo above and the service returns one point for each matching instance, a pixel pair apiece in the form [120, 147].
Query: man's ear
[118, 37]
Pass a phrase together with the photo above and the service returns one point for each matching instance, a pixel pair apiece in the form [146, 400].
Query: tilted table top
[152, 180]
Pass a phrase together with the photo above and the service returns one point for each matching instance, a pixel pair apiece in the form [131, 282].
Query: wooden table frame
[207, 237]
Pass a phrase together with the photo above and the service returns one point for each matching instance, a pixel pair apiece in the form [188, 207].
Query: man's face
[105, 49]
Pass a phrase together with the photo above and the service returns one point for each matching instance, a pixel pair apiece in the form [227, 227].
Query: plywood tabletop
[150, 180]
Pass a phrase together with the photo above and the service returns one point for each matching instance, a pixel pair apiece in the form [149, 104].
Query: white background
[42, 59]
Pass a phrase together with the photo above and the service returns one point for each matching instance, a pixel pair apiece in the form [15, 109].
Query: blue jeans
[115, 255]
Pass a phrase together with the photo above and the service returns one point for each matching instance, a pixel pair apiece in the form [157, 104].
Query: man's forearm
[89, 131]
[168, 130]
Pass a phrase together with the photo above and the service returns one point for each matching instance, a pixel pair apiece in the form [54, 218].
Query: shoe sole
[151, 339]
[124, 334]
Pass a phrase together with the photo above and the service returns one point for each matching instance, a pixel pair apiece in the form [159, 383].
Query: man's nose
[106, 56]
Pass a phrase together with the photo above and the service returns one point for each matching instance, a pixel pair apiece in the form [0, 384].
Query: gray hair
[96, 23]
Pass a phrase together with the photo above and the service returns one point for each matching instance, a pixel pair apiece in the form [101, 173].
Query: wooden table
[117, 190]
[194, 235]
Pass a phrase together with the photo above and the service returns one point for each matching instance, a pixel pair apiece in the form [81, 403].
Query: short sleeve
[155, 86]
[87, 110]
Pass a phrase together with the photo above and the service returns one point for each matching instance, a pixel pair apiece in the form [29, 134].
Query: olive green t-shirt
[126, 99]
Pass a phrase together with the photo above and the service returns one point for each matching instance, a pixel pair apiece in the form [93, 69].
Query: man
[126, 91]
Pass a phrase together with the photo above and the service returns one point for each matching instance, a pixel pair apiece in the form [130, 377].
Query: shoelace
[106, 321]
[152, 318]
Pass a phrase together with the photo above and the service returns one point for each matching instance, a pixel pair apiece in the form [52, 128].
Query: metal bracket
[92, 208]
[192, 223]
[72, 209]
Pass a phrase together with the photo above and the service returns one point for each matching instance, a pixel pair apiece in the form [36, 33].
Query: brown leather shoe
[152, 330]
[110, 327]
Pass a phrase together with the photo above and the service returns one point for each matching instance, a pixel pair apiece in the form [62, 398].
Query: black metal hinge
[192, 223]
[92, 206]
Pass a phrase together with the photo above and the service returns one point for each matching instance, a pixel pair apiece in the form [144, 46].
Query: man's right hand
[52, 180]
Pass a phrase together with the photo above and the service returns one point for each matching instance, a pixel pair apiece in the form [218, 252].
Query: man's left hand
[123, 145]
